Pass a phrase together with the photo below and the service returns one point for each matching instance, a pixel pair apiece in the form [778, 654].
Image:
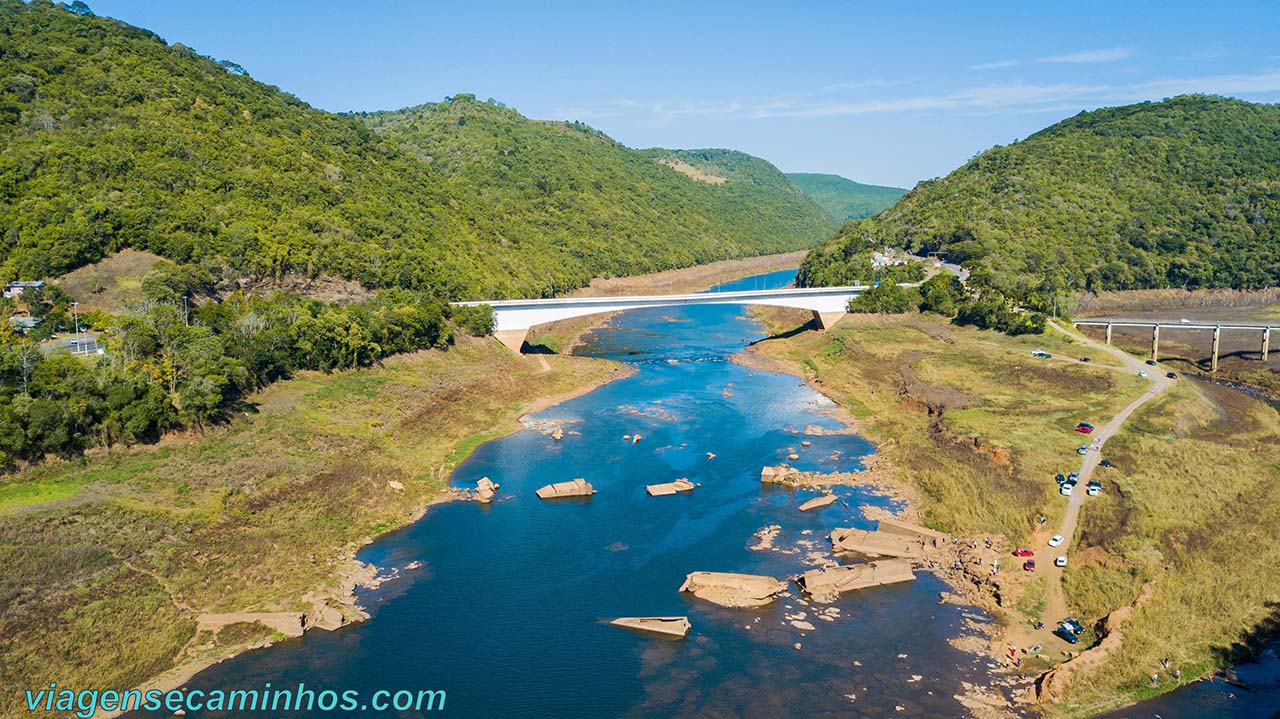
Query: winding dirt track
[1055, 599]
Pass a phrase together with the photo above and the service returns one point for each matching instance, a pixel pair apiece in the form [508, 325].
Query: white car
[1056, 540]
[1060, 562]
[1066, 490]
[1142, 373]
[1093, 491]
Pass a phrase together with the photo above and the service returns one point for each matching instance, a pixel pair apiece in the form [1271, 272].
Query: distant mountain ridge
[1179, 193]
[843, 198]
[111, 138]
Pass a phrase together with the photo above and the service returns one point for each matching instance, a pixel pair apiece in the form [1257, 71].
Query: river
[509, 613]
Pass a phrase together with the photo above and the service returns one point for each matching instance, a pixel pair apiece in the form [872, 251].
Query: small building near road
[15, 289]
[24, 323]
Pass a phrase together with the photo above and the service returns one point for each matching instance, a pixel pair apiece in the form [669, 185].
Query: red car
[1023, 552]
[1084, 428]
[1029, 565]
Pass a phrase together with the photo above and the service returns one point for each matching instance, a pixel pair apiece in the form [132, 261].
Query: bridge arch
[514, 318]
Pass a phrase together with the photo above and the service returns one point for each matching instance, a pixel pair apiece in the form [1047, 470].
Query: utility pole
[75, 313]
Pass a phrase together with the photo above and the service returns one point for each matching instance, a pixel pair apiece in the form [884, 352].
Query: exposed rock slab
[879, 544]
[486, 489]
[897, 526]
[287, 623]
[670, 626]
[733, 590]
[576, 488]
[668, 488]
[826, 585]
[819, 502]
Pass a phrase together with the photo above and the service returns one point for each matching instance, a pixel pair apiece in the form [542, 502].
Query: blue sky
[884, 92]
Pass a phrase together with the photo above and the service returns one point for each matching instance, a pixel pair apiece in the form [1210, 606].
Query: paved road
[1055, 599]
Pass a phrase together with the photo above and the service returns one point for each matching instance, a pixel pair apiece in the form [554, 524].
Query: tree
[886, 299]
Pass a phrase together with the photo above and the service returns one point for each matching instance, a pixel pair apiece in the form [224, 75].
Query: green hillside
[111, 138]
[1179, 193]
[843, 198]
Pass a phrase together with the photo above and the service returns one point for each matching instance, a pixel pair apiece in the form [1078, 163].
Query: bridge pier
[826, 320]
[1108, 333]
[1266, 342]
[512, 339]
[1213, 363]
[1155, 342]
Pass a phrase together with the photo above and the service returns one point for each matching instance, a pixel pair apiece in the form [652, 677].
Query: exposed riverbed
[509, 612]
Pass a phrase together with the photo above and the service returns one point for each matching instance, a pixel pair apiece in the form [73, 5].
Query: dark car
[1060, 478]
[1106, 463]
[1171, 375]
[1073, 625]
[1066, 636]
[1085, 359]
[1151, 362]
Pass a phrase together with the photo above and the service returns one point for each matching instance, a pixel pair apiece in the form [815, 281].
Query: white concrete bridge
[514, 318]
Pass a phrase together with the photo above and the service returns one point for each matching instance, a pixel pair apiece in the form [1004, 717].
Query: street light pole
[75, 312]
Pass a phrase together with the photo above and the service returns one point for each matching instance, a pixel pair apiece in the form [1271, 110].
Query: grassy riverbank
[110, 560]
[980, 428]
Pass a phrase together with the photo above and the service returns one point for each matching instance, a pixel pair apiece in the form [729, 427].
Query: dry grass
[1193, 502]
[108, 560]
[1197, 506]
[986, 465]
[111, 284]
[1147, 300]
[689, 279]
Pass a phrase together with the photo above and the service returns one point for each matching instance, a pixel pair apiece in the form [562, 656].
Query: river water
[508, 614]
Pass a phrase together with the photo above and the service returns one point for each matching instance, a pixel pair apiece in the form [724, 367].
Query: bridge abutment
[826, 320]
[512, 339]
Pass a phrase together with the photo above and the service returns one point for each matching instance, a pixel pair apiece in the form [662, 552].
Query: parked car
[1073, 477]
[1066, 636]
[1085, 359]
[1029, 565]
[1151, 363]
[1142, 373]
[1171, 375]
[1083, 449]
[1106, 463]
[1084, 428]
[1055, 540]
[1065, 489]
[1073, 626]
[1092, 491]
[1060, 478]
[1060, 562]
[1023, 552]
[1041, 354]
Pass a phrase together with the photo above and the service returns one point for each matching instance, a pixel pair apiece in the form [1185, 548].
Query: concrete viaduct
[1264, 330]
[514, 318]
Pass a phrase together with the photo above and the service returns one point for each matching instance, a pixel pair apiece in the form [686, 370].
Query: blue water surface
[509, 613]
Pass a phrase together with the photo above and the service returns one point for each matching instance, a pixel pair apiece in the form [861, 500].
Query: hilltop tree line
[1183, 193]
[112, 138]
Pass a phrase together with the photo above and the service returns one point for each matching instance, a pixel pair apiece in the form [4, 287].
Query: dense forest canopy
[111, 138]
[1179, 193]
[843, 198]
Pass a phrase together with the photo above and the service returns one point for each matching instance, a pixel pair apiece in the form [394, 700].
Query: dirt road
[1055, 608]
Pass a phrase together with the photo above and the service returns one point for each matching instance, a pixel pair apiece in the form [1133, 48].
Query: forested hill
[111, 138]
[1179, 193]
[565, 189]
[843, 198]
